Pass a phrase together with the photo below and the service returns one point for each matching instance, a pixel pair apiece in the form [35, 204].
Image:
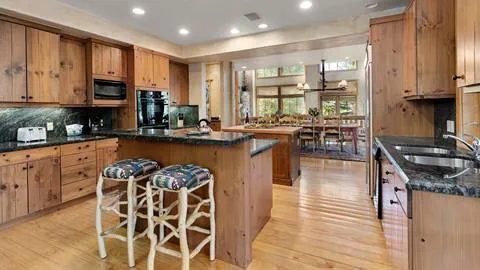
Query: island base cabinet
[446, 232]
[43, 184]
[13, 192]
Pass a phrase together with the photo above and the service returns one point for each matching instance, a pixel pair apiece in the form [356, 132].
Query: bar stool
[131, 171]
[183, 180]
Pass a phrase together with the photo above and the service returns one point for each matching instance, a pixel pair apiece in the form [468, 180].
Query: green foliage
[313, 112]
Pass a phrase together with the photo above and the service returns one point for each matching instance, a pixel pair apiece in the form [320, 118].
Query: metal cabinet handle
[458, 77]
[389, 173]
[16, 186]
[393, 202]
[385, 181]
[396, 189]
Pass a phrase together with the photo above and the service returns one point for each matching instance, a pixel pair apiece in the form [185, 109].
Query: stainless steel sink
[454, 162]
[420, 149]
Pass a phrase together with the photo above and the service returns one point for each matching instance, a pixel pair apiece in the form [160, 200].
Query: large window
[285, 99]
[340, 66]
[339, 105]
[280, 72]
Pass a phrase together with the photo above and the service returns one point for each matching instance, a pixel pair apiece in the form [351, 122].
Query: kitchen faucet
[474, 147]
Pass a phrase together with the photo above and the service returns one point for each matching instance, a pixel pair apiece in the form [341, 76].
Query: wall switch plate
[49, 126]
[451, 126]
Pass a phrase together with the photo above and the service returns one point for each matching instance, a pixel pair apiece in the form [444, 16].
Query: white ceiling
[210, 20]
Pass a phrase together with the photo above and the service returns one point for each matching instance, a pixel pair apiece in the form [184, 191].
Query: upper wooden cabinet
[179, 84]
[151, 70]
[43, 66]
[468, 42]
[429, 49]
[107, 62]
[13, 74]
[73, 78]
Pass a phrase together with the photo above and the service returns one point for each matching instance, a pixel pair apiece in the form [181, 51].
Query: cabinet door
[106, 156]
[13, 75]
[160, 72]
[73, 80]
[13, 192]
[181, 84]
[410, 52]
[118, 62]
[174, 94]
[43, 66]
[143, 68]
[43, 184]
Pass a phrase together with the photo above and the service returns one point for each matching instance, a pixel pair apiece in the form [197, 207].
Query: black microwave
[109, 90]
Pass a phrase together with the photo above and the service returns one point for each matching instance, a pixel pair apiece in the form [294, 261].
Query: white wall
[197, 85]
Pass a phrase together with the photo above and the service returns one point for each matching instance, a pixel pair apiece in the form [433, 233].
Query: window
[339, 105]
[340, 66]
[286, 99]
[280, 72]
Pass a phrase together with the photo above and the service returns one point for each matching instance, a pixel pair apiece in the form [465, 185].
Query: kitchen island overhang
[237, 181]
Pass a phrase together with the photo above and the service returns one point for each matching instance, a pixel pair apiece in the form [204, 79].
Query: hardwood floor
[324, 221]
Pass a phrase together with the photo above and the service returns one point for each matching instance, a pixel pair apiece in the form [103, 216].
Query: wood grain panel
[461, 7]
[79, 172]
[43, 184]
[76, 148]
[78, 189]
[13, 192]
[76, 159]
[391, 113]
[445, 237]
[73, 77]
[10, 158]
[161, 72]
[410, 51]
[261, 202]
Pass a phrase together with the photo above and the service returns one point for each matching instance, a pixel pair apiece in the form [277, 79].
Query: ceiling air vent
[252, 16]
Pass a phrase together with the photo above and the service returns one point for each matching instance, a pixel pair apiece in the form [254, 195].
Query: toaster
[31, 134]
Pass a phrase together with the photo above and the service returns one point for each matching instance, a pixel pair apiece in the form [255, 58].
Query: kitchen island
[286, 154]
[243, 180]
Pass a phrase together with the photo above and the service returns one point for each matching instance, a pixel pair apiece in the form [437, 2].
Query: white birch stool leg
[185, 219]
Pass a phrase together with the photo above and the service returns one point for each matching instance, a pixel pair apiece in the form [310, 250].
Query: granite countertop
[427, 177]
[258, 146]
[17, 146]
[286, 130]
[179, 136]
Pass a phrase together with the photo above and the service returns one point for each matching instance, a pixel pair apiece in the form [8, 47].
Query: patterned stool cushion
[130, 167]
[177, 176]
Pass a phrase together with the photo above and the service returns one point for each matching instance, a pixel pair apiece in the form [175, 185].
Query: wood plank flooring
[325, 221]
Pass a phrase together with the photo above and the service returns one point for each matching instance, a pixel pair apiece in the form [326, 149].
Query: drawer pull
[80, 159]
[80, 189]
[396, 189]
[27, 156]
[3, 187]
[389, 173]
[24, 168]
[79, 173]
[385, 181]
[393, 202]
[79, 148]
[16, 186]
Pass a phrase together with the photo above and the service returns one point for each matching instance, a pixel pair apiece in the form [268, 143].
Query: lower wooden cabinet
[105, 156]
[13, 192]
[43, 184]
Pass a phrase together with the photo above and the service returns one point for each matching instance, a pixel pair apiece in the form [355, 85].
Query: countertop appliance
[152, 109]
[109, 90]
[31, 134]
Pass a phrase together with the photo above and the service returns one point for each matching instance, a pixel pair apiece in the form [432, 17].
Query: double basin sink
[434, 156]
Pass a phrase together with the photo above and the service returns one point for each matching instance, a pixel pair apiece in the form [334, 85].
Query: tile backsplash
[13, 118]
[444, 110]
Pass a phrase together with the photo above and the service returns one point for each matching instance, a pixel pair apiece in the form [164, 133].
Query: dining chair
[332, 132]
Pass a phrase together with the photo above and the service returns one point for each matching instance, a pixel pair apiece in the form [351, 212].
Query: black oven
[152, 109]
[109, 90]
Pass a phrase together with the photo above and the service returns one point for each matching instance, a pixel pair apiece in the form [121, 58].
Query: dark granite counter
[17, 146]
[446, 180]
[258, 146]
[178, 136]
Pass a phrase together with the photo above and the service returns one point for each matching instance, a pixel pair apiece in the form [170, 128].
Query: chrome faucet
[474, 147]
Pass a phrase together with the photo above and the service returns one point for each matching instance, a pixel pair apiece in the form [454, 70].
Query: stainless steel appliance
[109, 90]
[31, 134]
[152, 109]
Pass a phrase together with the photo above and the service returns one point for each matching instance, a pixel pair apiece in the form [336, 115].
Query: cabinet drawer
[107, 143]
[77, 159]
[79, 172]
[70, 149]
[78, 189]
[28, 155]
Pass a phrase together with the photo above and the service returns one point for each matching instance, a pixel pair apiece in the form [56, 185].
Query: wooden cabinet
[43, 184]
[429, 49]
[179, 84]
[13, 73]
[107, 62]
[107, 153]
[151, 70]
[467, 42]
[43, 66]
[73, 78]
[13, 192]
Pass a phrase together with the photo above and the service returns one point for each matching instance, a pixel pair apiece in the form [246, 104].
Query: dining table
[346, 128]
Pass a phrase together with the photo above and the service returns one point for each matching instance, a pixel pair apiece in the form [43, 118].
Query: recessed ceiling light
[347, 58]
[234, 31]
[372, 5]
[263, 26]
[138, 11]
[244, 67]
[306, 5]
[183, 32]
